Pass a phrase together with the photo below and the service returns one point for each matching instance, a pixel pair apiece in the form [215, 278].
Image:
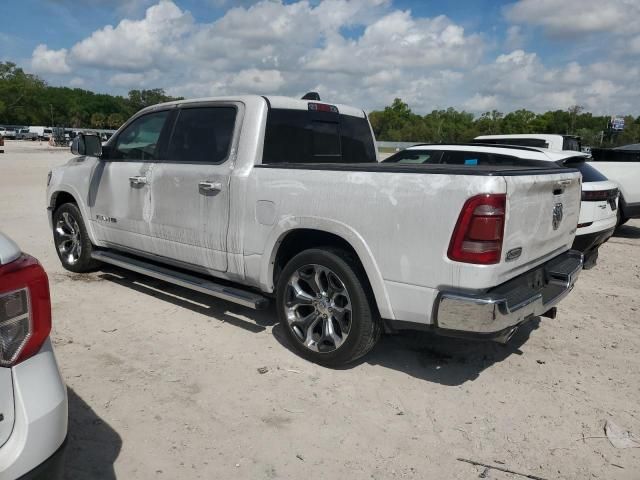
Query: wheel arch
[295, 235]
[60, 197]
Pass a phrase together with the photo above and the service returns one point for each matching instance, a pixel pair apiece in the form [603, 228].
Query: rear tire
[71, 240]
[326, 311]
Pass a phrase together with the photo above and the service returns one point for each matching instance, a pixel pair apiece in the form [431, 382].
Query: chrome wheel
[318, 308]
[68, 240]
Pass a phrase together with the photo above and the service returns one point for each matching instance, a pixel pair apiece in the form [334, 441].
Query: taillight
[25, 310]
[478, 235]
[599, 195]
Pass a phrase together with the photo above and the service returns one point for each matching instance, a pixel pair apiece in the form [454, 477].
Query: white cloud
[398, 40]
[520, 79]
[136, 45]
[573, 17]
[44, 60]
[360, 52]
[77, 82]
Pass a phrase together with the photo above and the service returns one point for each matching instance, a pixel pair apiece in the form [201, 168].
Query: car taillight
[477, 237]
[25, 310]
[599, 195]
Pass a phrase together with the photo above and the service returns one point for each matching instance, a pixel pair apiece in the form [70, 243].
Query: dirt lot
[163, 383]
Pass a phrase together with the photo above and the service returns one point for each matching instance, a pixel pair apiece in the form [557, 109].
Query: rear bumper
[51, 469]
[630, 210]
[589, 243]
[501, 309]
[41, 416]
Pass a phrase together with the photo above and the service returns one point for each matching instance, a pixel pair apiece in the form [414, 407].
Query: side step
[231, 294]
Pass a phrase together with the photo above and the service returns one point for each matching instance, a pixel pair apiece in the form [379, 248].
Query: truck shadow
[197, 302]
[627, 231]
[444, 360]
[92, 445]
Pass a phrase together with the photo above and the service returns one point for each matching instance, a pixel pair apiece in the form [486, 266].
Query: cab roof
[274, 101]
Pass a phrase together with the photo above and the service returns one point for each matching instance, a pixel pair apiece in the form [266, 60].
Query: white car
[8, 133]
[621, 165]
[599, 196]
[284, 199]
[33, 397]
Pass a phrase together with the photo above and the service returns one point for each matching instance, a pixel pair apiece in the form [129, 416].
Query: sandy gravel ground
[163, 383]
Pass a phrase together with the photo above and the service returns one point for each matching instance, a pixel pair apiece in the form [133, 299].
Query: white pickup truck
[254, 198]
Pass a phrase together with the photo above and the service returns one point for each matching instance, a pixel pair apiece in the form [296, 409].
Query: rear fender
[348, 234]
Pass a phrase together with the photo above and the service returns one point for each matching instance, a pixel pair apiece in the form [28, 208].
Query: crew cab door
[190, 189]
[120, 192]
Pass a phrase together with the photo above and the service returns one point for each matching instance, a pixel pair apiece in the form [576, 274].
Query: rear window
[301, 136]
[589, 174]
[202, 134]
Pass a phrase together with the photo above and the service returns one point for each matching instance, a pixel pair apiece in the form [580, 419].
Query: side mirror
[87, 144]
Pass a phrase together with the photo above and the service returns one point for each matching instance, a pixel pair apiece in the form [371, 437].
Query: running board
[231, 294]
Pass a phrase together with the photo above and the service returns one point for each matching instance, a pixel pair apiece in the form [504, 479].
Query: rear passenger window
[202, 134]
[301, 136]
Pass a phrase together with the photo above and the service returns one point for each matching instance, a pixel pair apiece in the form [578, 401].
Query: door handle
[135, 181]
[206, 186]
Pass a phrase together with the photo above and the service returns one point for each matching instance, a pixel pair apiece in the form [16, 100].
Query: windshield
[419, 157]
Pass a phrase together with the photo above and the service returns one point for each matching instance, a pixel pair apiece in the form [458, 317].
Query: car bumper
[41, 416]
[496, 313]
[588, 244]
[51, 469]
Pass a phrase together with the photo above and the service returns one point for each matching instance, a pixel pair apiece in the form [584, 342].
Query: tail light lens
[25, 310]
[477, 237]
[599, 195]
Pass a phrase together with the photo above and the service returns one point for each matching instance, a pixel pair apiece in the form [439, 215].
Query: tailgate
[6, 405]
[542, 216]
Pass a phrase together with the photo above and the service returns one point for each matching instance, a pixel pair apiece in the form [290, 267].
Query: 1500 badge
[102, 218]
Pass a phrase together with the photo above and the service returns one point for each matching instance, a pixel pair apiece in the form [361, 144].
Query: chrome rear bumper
[501, 309]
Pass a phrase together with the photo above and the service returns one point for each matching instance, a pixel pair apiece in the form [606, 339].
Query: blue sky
[477, 55]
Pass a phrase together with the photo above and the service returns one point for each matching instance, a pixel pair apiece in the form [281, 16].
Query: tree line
[398, 123]
[26, 99]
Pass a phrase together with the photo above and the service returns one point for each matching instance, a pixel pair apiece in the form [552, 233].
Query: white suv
[33, 397]
[598, 210]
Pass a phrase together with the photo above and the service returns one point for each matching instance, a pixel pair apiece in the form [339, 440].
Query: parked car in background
[26, 134]
[622, 165]
[550, 141]
[33, 397]
[8, 133]
[599, 196]
[285, 200]
[43, 133]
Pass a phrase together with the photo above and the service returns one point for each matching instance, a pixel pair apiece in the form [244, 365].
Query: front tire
[326, 311]
[71, 239]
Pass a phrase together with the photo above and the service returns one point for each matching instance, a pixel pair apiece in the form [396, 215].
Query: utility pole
[51, 109]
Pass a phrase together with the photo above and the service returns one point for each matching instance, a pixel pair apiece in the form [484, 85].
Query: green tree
[98, 120]
[139, 99]
[114, 121]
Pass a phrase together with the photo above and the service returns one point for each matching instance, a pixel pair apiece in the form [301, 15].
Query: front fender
[347, 233]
